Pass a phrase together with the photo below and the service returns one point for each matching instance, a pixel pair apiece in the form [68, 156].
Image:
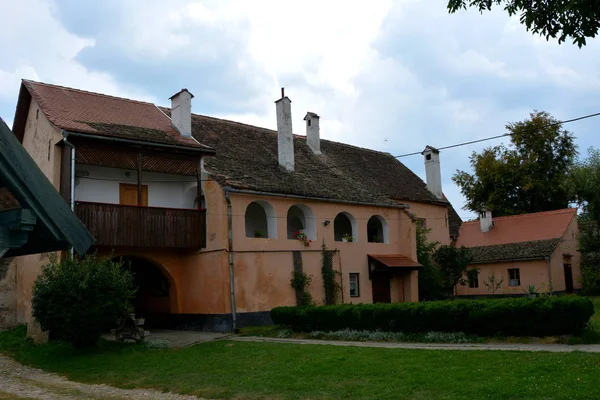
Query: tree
[453, 263]
[493, 283]
[574, 19]
[430, 287]
[77, 299]
[585, 187]
[529, 176]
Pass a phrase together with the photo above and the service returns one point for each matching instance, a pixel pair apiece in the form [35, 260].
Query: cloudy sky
[388, 75]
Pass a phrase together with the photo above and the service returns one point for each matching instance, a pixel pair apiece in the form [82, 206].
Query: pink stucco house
[537, 249]
[208, 211]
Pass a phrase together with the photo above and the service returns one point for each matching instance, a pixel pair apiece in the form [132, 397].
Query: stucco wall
[567, 246]
[436, 219]
[8, 293]
[40, 140]
[531, 272]
[101, 185]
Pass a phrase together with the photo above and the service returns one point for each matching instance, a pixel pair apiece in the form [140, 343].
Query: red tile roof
[99, 114]
[517, 228]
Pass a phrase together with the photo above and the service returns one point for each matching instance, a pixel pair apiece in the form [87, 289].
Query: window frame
[473, 283]
[355, 275]
[517, 277]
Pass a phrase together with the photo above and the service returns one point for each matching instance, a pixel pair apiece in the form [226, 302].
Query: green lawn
[237, 370]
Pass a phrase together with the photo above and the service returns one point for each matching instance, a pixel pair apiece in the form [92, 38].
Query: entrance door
[380, 283]
[128, 195]
[568, 278]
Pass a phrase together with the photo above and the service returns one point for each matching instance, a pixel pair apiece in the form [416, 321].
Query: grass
[238, 370]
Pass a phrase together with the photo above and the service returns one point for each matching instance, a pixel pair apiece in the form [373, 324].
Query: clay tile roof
[536, 249]
[247, 159]
[534, 235]
[86, 112]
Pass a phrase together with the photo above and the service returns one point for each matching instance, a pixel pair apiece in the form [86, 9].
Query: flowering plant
[301, 237]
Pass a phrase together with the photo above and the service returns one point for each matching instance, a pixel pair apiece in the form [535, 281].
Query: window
[261, 221]
[514, 277]
[473, 277]
[377, 230]
[354, 285]
[344, 228]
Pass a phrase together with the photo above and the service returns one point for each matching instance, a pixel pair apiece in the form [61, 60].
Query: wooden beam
[65, 174]
[139, 178]
[15, 226]
[199, 183]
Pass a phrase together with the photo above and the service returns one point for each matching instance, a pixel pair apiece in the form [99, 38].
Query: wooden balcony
[115, 225]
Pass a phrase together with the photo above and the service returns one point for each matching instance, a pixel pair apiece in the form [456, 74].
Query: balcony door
[128, 195]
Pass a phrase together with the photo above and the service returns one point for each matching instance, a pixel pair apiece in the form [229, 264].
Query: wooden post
[139, 179]
[65, 174]
[199, 183]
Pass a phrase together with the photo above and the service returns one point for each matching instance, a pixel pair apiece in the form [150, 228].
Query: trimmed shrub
[543, 316]
[77, 299]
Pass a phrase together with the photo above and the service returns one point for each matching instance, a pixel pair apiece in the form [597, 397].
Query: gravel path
[18, 381]
[554, 348]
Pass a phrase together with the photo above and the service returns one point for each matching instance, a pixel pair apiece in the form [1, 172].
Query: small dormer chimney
[285, 137]
[433, 173]
[485, 220]
[313, 135]
[181, 112]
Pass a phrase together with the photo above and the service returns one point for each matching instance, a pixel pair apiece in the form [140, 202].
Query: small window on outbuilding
[261, 221]
[473, 278]
[344, 228]
[514, 277]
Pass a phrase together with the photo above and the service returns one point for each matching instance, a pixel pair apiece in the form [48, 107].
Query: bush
[77, 299]
[590, 273]
[511, 317]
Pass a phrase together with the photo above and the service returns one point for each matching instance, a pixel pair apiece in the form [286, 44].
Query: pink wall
[436, 219]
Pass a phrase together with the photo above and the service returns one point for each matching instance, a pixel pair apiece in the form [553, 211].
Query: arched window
[261, 221]
[344, 228]
[301, 218]
[377, 230]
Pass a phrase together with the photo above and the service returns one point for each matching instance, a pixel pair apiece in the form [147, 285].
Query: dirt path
[20, 382]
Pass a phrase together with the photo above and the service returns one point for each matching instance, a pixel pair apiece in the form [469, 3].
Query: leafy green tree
[565, 19]
[585, 186]
[76, 299]
[430, 287]
[453, 263]
[529, 176]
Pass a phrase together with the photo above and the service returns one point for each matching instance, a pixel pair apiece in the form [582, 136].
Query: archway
[156, 297]
[301, 218]
[377, 230]
[260, 220]
[344, 228]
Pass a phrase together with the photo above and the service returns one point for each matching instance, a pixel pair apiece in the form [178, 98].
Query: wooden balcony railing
[115, 225]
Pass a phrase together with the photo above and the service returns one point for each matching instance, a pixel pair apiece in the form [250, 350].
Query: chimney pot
[313, 135]
[285, 137]
[433, 172]
[181, 112]
[486, 221]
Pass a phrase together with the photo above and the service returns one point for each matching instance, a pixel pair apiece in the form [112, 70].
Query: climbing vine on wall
[300, 282]
[332, 288]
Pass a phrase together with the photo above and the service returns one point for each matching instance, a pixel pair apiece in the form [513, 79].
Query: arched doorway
[155, 295]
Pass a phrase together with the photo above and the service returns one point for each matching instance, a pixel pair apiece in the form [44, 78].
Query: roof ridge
[515, 242]
[29, 81]
[559, 211]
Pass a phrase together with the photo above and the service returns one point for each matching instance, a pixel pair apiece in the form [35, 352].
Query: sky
[393, 76]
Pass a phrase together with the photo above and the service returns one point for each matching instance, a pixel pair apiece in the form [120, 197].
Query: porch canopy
[392, 264]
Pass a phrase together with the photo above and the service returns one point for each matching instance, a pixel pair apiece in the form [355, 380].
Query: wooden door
[568, 278]
[380, 283]
[128, 194]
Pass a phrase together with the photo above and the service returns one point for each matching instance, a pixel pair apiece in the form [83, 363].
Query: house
[214, 216]
[34, 219]
[537, 249]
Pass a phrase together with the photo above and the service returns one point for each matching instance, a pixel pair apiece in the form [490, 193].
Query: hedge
[543, 316]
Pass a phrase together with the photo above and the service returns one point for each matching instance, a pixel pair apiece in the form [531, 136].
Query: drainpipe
[230, 247]
[549, 274]
[72, 186]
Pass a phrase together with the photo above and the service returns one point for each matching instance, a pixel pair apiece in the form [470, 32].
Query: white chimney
[285, 137]
[181, 112]
[485, 220]
[432, 171]
[313, 135]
